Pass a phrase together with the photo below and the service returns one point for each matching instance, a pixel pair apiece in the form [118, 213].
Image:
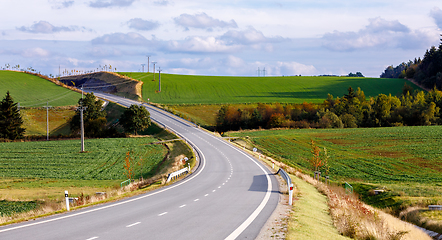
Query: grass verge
[311, 218]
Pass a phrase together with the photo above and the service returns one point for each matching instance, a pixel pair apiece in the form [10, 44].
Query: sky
[222, 38]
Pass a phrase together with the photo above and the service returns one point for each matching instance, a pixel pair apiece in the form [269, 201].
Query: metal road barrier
[289, 183]
[178, 173]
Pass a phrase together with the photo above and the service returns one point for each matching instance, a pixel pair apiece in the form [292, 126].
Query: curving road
[229, 196]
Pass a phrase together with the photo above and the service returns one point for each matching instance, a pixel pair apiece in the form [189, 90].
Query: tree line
[426, 72]
[349, 111]
[133, 119]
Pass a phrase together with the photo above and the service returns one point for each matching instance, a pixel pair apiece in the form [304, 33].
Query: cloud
[202, 21]
[246, 37]
[142, 25]
[61, 4]
[121, 39]
[199, 45]
[292, 68]
[103, 52]
[35, 52]
[46, 27]
[436, 14]
[110, 3]
[380, 33]
[161, 3]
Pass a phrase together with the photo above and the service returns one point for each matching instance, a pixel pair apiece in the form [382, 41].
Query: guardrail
[178, 173]
[289, 184]
[127, 182]
[348, 188]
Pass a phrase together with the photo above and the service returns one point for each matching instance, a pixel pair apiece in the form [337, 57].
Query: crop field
[406, 160]
[104, 159]
[8, 208]
[189, 89]
[33, 91]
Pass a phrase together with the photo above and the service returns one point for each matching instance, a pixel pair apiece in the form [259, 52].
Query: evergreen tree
[10, 119]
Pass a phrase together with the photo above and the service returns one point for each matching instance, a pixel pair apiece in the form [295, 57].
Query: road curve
[229, 196]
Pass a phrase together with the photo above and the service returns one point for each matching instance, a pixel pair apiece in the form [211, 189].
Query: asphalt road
[230, 196]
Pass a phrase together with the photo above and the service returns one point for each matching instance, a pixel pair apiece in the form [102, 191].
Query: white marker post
[290, 194]
[67, 200]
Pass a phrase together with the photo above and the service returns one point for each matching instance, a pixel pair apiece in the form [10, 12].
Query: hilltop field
[190, 89]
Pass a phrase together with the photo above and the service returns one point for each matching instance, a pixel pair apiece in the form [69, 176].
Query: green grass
[103, 160]
[403, 160]
[189, 89]
[310, 218]
[33, 91]
[8, 208]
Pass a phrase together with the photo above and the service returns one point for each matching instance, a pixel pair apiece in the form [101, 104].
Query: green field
[405, 160]
[103, 160]
[33, 91]
[189, 89]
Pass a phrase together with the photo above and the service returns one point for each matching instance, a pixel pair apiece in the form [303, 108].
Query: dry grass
[422, 217]
[357, 220]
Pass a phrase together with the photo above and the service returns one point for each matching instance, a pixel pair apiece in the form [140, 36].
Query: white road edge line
[261, 206]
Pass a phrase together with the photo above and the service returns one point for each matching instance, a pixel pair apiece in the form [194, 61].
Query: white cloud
[110, 3]
[142, 25]
[161, 3]
[121, 39]
[35, 52]
[46, 27]
[245, 37]
[61, 4]
[199, 45]
[203, 21]
[436, 14]
[292, 68]
[380, 33]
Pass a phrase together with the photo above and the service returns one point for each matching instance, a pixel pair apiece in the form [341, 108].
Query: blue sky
[300, 37]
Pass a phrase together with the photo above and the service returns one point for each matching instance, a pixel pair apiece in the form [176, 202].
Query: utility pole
[47, 120]
[148, 56]
[154, 70]
[159, 79]
[82, 108]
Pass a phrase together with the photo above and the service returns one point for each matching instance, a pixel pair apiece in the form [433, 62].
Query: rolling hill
[33, 91]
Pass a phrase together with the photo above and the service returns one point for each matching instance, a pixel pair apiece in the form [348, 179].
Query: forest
[412, 108]
[426, 72]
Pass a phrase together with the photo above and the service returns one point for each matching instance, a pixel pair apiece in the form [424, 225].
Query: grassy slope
[32, 91]
[189, 89]
[406, 160]
[311, 218]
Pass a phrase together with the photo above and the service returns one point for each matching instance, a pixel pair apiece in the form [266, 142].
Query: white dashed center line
[133, 224]
[161, 214]
[182, 206]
